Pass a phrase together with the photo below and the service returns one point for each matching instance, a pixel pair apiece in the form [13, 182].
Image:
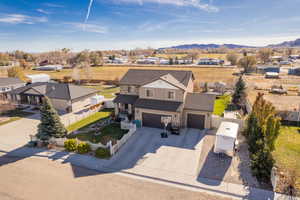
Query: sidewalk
[184, 181]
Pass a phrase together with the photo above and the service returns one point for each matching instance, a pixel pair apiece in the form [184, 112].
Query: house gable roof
[55, 90]
[140, 77]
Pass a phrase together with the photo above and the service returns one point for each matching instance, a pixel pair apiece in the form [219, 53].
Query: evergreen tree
[50, 125]
[239, 93]
[262, 130]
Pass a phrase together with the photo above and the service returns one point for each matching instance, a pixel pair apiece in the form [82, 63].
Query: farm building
[210, 61]
[49, 68]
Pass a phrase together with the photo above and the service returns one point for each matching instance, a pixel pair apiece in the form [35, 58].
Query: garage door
[195, 121]
[152, 120]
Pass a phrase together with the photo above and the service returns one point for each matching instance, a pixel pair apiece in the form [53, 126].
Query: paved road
[16, 134]
[37, 178]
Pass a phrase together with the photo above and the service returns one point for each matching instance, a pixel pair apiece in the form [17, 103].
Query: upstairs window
[171, 95]
[149, 93]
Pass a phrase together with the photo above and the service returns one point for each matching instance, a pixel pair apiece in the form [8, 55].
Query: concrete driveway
[147, 150]
[16, 134]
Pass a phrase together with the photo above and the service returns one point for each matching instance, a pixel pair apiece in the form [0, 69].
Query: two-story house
[150, 94]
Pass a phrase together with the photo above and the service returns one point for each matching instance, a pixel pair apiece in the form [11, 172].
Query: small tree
[247, 63]
[232, 58]
[239, 92]
[50, 125]
[264, 55]
[16, 72]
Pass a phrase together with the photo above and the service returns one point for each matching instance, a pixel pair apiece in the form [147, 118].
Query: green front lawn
[221, 104]
[110, 132]
[287, 149]
[89, 120]
[107, 92]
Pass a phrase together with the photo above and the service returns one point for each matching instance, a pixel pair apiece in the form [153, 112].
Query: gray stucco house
[64, 97]
[148, 95]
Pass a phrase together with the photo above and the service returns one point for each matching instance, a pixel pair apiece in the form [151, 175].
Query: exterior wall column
[116, 108]
[129, 108]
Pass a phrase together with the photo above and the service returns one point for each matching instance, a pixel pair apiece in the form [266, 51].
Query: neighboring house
[64, 97]
[8, 84]
[148, 95]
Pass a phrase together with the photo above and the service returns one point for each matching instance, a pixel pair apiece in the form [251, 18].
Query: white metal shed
[226, 137]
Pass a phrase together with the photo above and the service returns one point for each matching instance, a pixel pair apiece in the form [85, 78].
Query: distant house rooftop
[55, 90]
[10, 81]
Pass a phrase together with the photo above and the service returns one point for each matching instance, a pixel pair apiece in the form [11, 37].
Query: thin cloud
[92, 28]
[21, 19]
[43, 11]
[182, 3]
[53, 5]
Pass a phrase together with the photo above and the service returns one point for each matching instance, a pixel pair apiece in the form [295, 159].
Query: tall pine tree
[239, 92]
[262, 130]
[50, 125]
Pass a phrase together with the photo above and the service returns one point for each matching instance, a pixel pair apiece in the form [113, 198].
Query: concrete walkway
[122, 165]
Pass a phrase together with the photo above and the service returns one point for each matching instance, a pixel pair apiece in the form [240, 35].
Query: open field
[115, 73]
[287, 152]
[281, 102]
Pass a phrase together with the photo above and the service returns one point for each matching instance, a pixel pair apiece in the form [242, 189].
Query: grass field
[115, 73]
[221, 104]
[287, 152]
[111, 132]
[107, 92]
[89, 120]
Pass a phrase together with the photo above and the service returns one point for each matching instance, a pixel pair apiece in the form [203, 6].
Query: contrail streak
[88, 11]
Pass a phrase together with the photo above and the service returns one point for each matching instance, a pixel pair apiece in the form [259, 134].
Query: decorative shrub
[83, 147]
[102, 153]
[70, 145]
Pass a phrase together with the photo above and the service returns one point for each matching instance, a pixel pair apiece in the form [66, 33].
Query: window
[149, 93]
[129, 89]
[171, 95]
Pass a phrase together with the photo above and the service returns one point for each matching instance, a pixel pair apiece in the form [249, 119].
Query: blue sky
[41, 25]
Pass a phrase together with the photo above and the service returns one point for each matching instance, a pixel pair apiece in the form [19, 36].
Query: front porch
[124, 110]
[124, 105]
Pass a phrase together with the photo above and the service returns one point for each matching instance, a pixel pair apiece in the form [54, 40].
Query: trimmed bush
[83, 147]
[102, 153]
[70, 145]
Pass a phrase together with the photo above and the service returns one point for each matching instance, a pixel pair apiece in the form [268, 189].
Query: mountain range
[294, 43]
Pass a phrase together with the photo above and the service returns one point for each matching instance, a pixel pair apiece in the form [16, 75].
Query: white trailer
[35, 78]
[226, 138]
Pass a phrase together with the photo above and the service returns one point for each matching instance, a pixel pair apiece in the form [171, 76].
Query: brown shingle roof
[198, 101]
[158, 105]
[142, 76]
